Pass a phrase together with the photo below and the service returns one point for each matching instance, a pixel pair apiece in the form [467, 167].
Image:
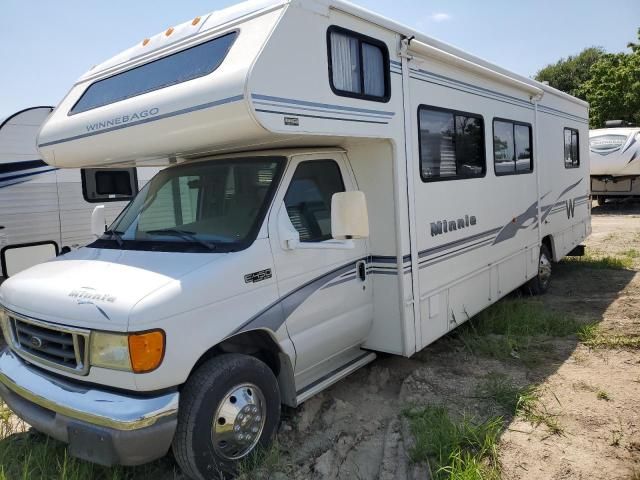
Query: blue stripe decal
[268, 104]
[469, 85]
[148, 120]
[461, 89]
[18, 165]
[320, 105]
[8, 181]
[20, 173]
[560, 113]
[320, 116]
[506, 98]
[457, 243]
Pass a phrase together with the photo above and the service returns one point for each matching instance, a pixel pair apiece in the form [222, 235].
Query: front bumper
[100, 426]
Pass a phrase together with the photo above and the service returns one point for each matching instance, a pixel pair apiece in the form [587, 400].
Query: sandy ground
[354, 430]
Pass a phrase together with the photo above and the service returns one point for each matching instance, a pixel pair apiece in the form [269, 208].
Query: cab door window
[308, 199]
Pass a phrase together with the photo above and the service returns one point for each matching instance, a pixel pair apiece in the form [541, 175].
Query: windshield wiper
[185, 234]
[115, 235]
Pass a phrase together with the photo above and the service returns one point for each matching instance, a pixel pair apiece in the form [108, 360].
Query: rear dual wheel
[540, 283]
[229, 409]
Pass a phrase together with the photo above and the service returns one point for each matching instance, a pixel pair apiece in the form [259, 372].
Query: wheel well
[548, 242]
[261, 345]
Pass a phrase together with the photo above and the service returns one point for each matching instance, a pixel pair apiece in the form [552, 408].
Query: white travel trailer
[249, 274]
[45, 210]
[615, 161]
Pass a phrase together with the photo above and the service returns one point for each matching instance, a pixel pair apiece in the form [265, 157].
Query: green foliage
[569, 74]
[460, 450]
[613, 90]
[610, 82]
[515, 329]
[591, 261]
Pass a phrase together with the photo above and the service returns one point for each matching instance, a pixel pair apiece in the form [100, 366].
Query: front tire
[229, 409]
[540, 283]
[602, 201]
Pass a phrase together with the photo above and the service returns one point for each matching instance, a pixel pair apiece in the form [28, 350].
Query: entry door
[327, 297]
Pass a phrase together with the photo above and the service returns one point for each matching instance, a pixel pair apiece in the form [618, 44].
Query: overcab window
[571, 148]
[358, 65]
[179, 67]
[451, 144]
[512, 152]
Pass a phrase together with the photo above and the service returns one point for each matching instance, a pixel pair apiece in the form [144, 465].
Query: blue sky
[46, 45]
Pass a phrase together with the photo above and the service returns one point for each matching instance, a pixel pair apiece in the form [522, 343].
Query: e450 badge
[256, 277]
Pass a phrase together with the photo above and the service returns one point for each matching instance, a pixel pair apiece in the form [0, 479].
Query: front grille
[50, 345]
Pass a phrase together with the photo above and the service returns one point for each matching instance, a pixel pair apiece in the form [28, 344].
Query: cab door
[323, 283]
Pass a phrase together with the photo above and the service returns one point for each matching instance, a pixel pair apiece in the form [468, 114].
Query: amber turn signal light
[146, 350]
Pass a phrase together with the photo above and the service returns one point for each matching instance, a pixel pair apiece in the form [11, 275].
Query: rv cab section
[336, 185]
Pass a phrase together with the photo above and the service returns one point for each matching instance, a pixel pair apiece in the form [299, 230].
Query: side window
[512, 152]
[109, 185]
[451, 144]
[571, 148]
[308, 199]
[358, 65]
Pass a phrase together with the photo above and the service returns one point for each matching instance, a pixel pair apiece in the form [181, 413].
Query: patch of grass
[522, 318]
[592, 337]
[262, 464]
[602, 395]
[460, 449]
[607, 261]
[29, 455]
[504, 392]
[631, 253]
[514, 328]
[523, 402]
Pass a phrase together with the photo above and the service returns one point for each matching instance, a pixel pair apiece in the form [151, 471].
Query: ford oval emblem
[36, 342]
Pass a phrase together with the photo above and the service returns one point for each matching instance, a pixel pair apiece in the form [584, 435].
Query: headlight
[134, 352]
[109, 350]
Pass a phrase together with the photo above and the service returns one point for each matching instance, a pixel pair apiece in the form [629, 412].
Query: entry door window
[308, 199]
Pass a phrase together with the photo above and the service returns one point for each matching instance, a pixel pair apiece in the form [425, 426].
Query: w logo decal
[571, 207]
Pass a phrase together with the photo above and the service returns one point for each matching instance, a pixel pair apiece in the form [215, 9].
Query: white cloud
[440, 17]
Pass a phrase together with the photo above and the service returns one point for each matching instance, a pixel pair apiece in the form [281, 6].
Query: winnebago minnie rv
[615, 161]
[45, 210]
[338, 185]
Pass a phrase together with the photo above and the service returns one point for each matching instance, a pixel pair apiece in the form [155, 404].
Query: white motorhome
[44, 210]
[339, 185]
[615, 161]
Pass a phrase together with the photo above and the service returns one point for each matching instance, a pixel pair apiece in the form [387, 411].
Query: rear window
[180, 67]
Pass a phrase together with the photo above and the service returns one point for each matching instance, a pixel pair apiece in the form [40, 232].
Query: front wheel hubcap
[238, 422]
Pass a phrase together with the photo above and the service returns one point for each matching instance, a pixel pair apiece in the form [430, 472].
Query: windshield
[209, 206]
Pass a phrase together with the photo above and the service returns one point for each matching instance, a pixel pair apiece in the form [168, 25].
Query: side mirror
[349, 216]
[98, 221]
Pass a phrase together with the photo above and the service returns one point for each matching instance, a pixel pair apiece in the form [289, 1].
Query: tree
[568, 74]
[613, 89]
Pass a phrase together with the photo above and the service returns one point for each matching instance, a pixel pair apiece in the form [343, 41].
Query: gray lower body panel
[102, 445]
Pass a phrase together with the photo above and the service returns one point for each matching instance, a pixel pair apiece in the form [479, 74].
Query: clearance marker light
[145, 42]
[169, 31]
[195, 21]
